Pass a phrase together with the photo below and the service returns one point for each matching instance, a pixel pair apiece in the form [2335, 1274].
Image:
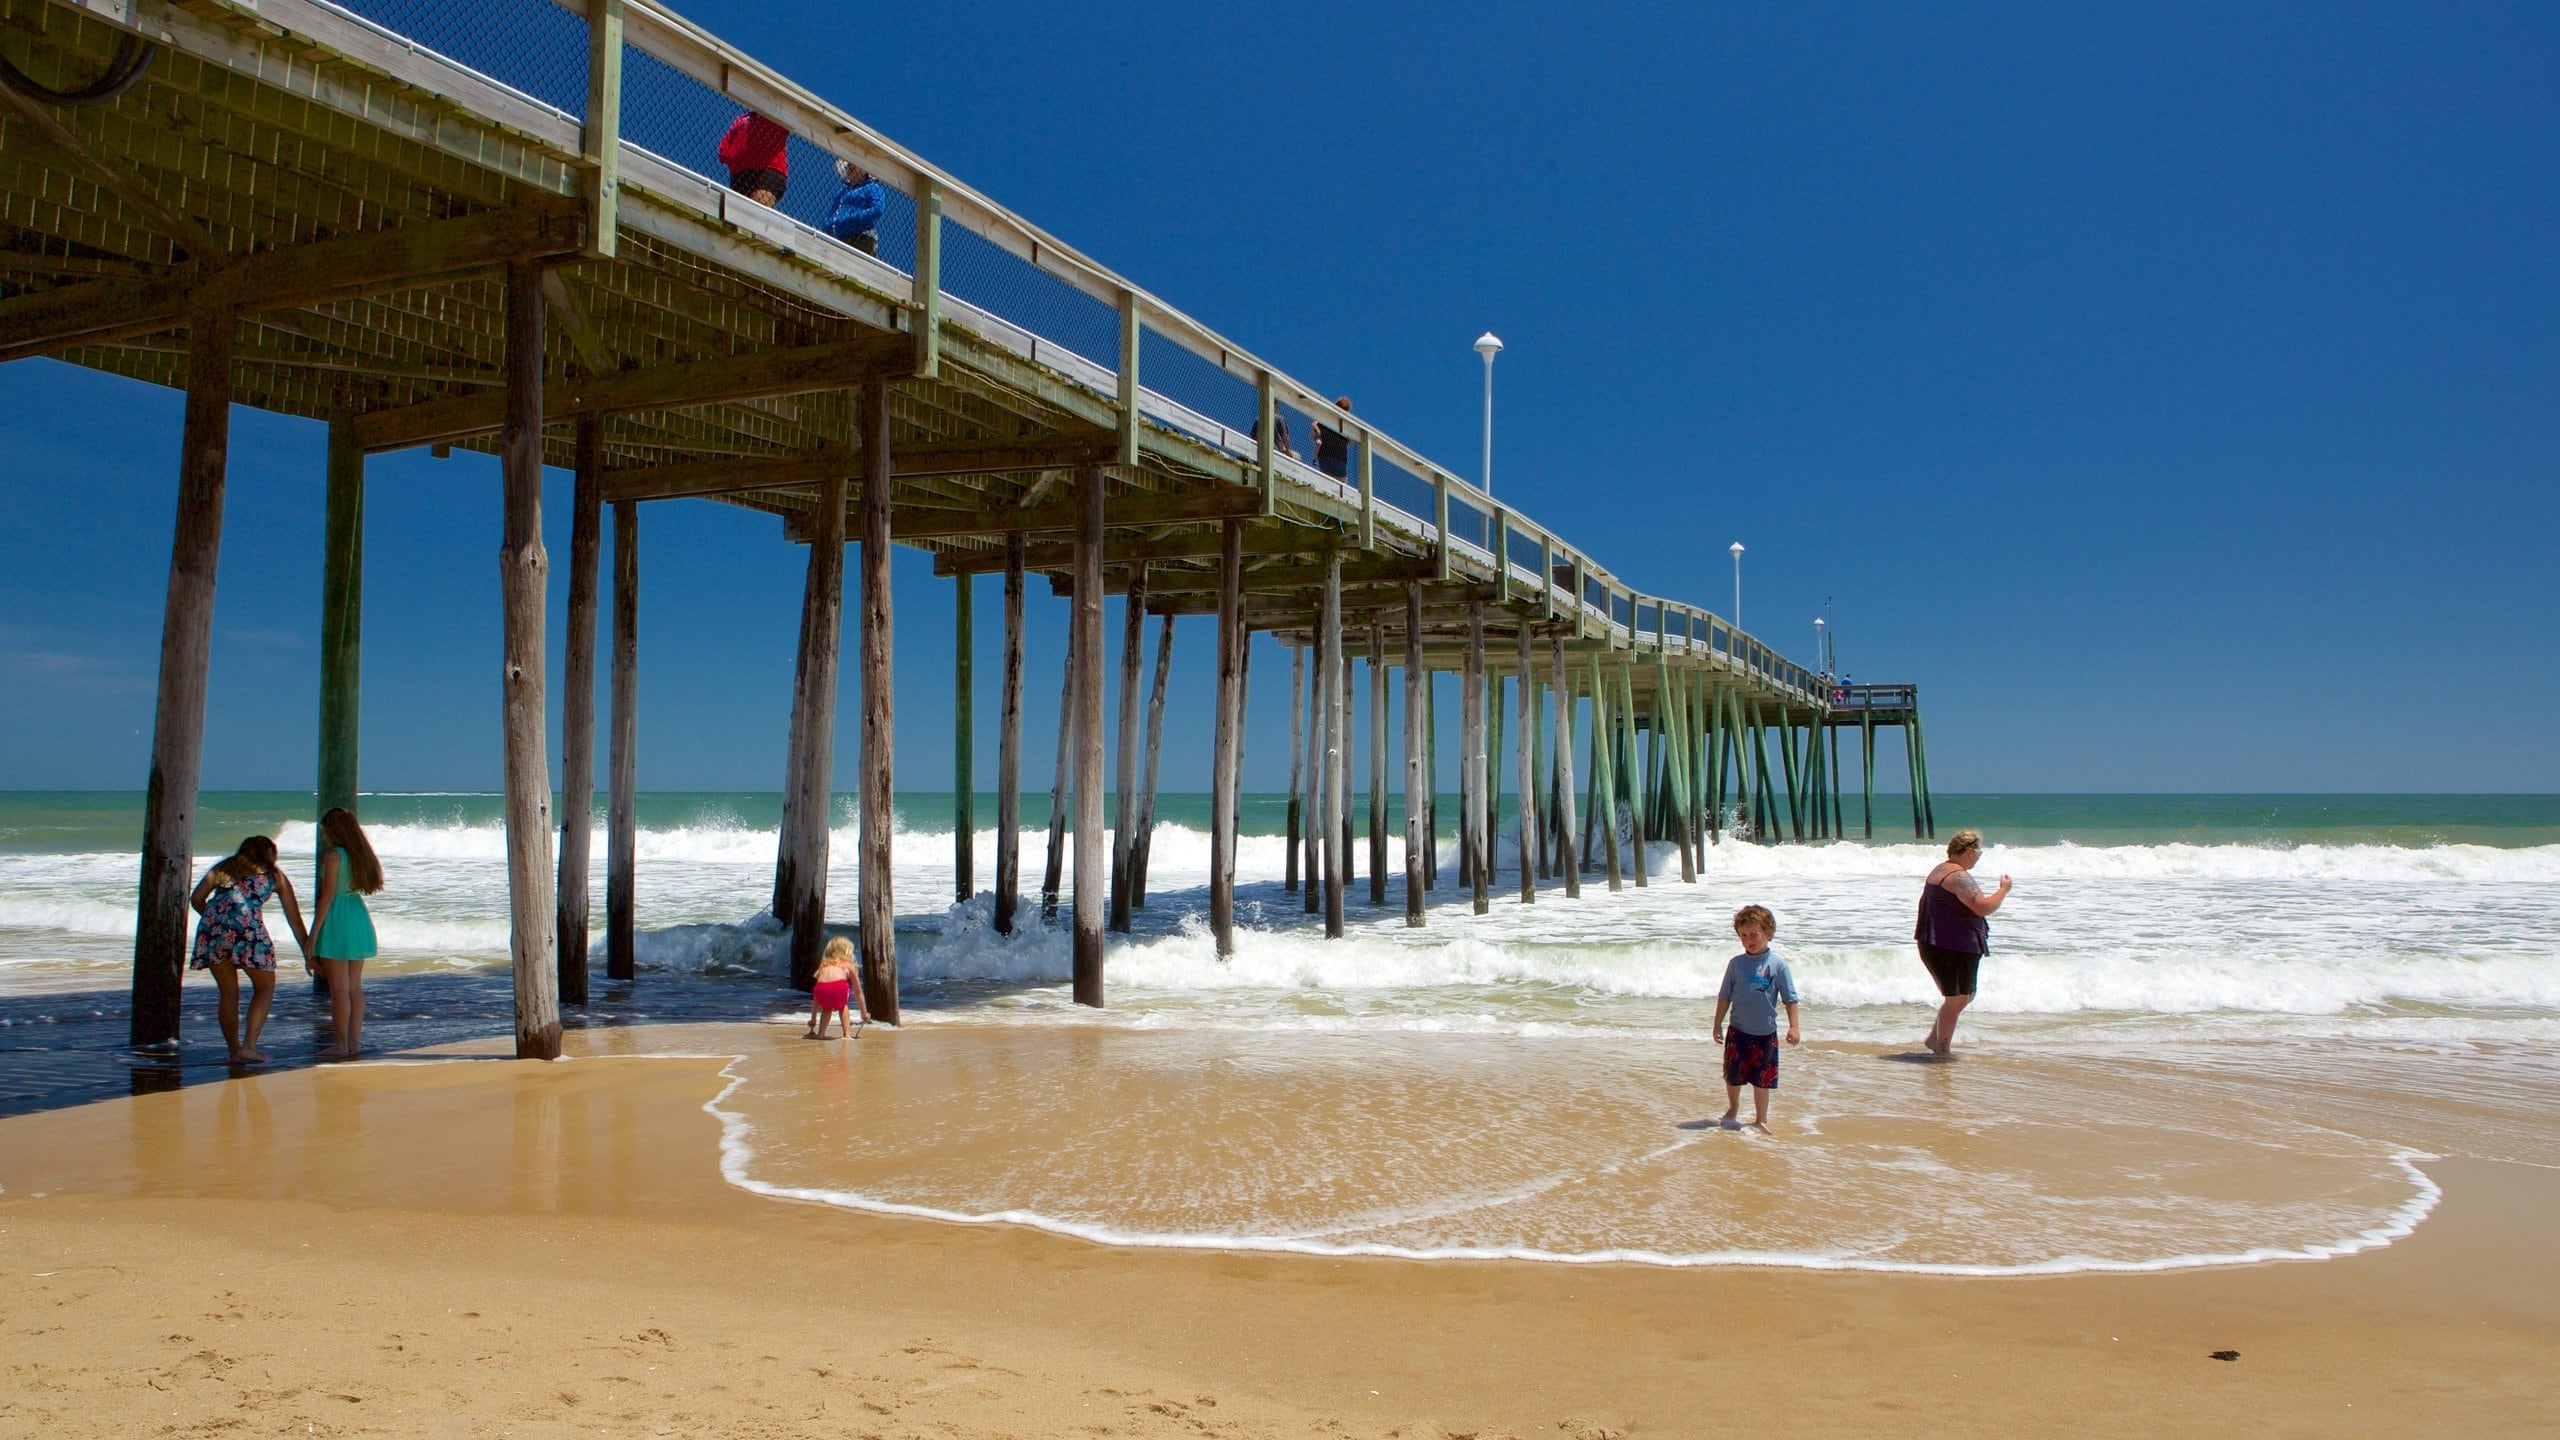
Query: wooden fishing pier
[492, 225]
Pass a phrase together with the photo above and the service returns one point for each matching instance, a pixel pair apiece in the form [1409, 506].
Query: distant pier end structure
[495, 225]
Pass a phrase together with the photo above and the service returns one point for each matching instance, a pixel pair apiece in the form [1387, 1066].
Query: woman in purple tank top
[1955, 932]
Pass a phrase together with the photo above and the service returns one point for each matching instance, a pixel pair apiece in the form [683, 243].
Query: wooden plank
[1220, 503]
[1009, 748]
[600, 132]
[161, 919]
[877, 914]
[757, 375]
[1091, 900]
[1223, 792]
[323, 272]
[621, 810]
[523, 574]
[578, 714]
[1206, 541]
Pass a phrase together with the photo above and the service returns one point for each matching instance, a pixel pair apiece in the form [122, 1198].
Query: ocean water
[2199, 1032]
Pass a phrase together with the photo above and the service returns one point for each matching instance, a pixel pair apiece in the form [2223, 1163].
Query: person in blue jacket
[855, 217]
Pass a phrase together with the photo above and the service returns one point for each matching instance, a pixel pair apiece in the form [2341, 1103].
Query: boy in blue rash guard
[1755, 984]
[855, 216]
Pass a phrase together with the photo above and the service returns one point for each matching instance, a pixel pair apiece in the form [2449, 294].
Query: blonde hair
[1963, 840]
[364, 872]
[838, 948]
[256, 855]
[1755, 915]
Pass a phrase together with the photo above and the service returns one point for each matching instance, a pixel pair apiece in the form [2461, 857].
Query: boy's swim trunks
[1751, 1059]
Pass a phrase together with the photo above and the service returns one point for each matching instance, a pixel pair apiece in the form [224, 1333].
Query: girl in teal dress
[342, 928]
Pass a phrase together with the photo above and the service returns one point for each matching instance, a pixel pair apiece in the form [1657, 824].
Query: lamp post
[1737, 584]
[1488, 345]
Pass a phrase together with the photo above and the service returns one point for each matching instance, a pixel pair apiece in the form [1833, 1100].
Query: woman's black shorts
[749, 181]
[1954, 970]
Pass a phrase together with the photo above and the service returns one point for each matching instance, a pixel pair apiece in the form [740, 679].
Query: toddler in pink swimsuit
[834, 996]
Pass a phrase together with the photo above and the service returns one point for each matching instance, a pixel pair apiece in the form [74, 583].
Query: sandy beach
[484, 1247]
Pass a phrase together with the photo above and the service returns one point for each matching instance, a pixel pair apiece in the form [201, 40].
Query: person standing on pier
[757, 152]
[1954, 932]
[855, 217]
[231, 938]
[1333, 447]
[342, 927]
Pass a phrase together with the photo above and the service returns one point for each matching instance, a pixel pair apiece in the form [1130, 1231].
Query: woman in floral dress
[231, 937]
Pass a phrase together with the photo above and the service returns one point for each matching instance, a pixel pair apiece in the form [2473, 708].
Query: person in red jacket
[755, 150]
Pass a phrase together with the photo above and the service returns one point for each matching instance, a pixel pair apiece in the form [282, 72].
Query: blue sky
[2174, 393]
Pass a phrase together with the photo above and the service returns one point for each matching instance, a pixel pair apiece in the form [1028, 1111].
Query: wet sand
[489, 1247]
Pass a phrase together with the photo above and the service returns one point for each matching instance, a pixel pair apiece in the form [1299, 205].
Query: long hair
[256, 856]
[364, 872]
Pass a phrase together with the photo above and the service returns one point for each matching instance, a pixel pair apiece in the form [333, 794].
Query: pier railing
[950, 256]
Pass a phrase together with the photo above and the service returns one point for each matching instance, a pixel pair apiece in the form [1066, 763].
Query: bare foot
[250, 1057]
[239, 1057]
[1728, 1121]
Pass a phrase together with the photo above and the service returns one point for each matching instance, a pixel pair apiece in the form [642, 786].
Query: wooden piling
[1528, 759]
[1795, 777]
[1471, 764]
[1674, 731]
[1091, 899]
[1867, 773]
[877, 903]
[1223, 787]
[1124, 822]
[1009, 745]
[1567, 860]
[801, 869]
[523, 570]
[341, 638]
[1491, 855]
[1311, 863]
[1337, 731]
[578, 713]
[1417, 683]
[1059, 797]
[964, 741]
[1633, 774]
[1297, 763]
[162, 918]
[1377, 762]
[1604, 770]
[1142, 845]
[621, 857]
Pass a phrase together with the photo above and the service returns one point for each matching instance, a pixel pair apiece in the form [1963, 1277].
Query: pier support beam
[1225, 764]
[1567, 860]
[876, 903]
[1604, 771]
[1297, 763]
[578, 712]
[1311, 863]
[1091, 898]
[341, 636]
[1009, 746]
[1142, 845]
[1377, 763]
[1471, 764]
[1337, 733]
[1417, 684]
[800, 872]
[1061, 795]
[523, 570]
[1867, 773]
[1124, 822]
[964, 742]
[1527, 745]
[623, 757]
[161, 918]
[1632, 772]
